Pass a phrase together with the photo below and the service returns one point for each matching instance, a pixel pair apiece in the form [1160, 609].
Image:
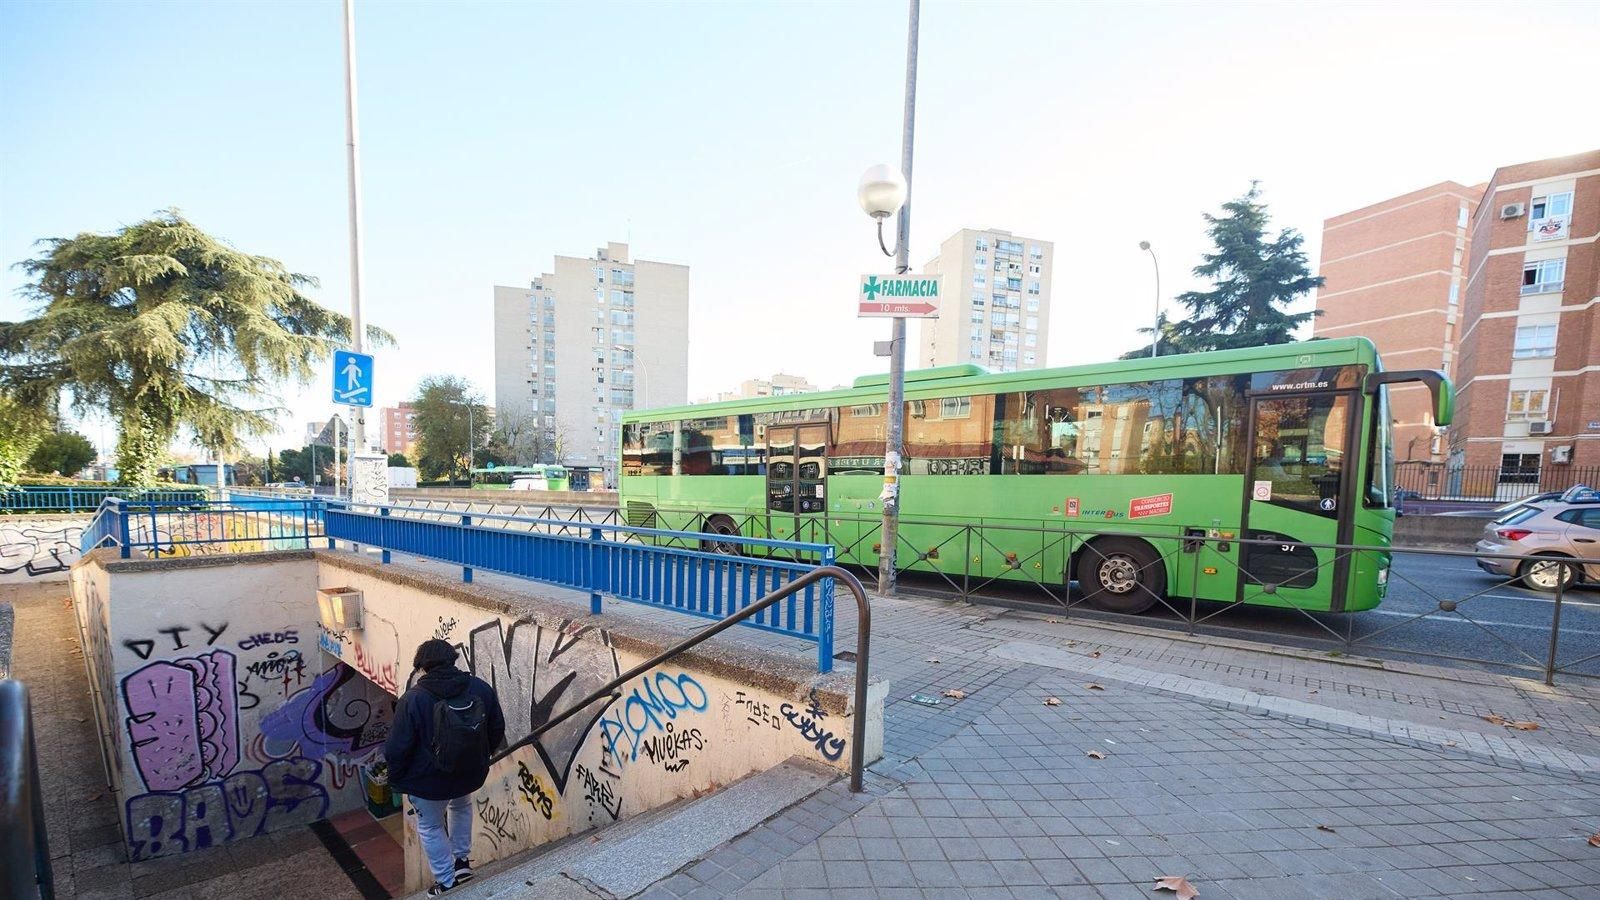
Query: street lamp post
[471, 439]
[883, 191]
[1155, 327]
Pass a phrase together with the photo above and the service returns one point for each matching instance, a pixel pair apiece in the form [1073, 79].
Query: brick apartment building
[399, 428]
[1496, 285]
[1528, 386]
[1394, 273]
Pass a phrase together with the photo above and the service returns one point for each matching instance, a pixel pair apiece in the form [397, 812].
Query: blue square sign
[352, 378]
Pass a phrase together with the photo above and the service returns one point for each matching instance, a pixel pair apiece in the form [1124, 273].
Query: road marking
[1564, 601]
[1431, 617]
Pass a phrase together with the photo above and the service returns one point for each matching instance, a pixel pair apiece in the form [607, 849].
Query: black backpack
[460, 732]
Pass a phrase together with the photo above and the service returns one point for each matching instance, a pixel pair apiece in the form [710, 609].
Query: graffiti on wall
[539, 672]
[37, 549]
[143, 647]
[643, 722]
[335, 714]
[97, 650]
[809, 723]
[183, 720]
[245, 804]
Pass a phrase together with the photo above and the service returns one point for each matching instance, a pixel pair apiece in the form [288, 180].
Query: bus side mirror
[1444, 395]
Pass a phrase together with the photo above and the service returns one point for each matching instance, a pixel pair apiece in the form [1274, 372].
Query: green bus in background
[1096, 473]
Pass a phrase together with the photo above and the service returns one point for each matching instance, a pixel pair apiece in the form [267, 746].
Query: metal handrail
[24, 845]
[858, 726]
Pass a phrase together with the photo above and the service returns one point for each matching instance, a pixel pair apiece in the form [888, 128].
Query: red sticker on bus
[1144, 507]
[1072, 507]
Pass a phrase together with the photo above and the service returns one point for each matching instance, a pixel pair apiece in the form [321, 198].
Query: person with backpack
[445, 728]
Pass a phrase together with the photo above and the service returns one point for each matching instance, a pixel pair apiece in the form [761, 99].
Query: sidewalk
[1220, 763]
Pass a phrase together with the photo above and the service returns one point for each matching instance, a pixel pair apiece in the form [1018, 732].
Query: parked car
[1580, 493]
[1569, 530]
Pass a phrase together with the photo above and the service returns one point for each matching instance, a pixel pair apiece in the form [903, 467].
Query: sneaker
[438, 889]
[463, 870]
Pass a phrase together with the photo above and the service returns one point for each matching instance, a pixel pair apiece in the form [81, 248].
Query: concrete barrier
[526, 498]
[1439, 532]
[39, 548]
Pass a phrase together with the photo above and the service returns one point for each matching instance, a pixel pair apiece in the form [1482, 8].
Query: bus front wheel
[1120, 575]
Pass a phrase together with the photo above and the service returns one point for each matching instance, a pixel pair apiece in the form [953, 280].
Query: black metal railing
[858, 724]
[24, 846]
[1499, 484]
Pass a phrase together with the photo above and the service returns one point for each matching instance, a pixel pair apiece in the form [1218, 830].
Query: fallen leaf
[1594, 839]
[1093, 687]
[1053, 621]
[1072, 643]
[1524, 726]
[933, 659]
[1095, 754]
[1095, 655]
[1314, 692]
[1449, 743]
[955, 693]
[1325, 828]
[1052, 701]
[1494, 719]
[1177, 884]
[97, 796]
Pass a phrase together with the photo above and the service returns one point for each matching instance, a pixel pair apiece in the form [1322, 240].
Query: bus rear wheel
[723, 525]
[1120, 575]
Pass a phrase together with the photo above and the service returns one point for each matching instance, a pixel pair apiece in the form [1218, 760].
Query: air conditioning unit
[1539, 427]
[1511, 210]
[1561, 455]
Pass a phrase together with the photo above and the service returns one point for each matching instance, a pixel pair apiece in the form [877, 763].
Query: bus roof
[942, 380]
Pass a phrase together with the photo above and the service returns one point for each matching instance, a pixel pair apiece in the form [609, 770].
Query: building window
[622, 277]
[1013, 284]
[1008, 247]
[1551, 205]
[1035, 251]
[980, 280]
[980, 261]
[1543, 277]
[1461, 216]
[1033, 322]
[599, 295]
[599, 274]
[1035, 269]
[1033, 304]
[978, 298]
[1534, 342]
[1032, 340]
[997, 318]
[977, 317]
[955, 408]
[1519, 468]
[1028, 358]
[622, 336]
[982, 243]
[1455, 293]
[1527, 406]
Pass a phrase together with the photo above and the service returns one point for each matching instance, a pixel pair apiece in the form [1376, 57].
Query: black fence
[1440, 481]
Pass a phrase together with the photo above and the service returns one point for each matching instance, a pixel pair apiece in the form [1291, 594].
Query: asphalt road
[1495, 626]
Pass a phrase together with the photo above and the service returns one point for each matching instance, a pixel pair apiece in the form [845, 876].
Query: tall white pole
[358, 430]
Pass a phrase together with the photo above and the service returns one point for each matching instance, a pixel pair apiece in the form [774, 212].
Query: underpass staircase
[624, 859]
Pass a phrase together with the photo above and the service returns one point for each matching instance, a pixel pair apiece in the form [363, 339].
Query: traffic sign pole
[352, 130]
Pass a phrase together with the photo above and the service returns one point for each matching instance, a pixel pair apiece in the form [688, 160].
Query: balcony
[1546, 287]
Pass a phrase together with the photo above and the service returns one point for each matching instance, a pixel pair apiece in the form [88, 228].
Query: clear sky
[730, 137]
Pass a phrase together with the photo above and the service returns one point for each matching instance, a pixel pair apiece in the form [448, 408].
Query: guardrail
[24, 845]
[1027, 567]
[47, 499]
[648, 566]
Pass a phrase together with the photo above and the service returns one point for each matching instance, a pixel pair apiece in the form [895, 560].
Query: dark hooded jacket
[412, 768]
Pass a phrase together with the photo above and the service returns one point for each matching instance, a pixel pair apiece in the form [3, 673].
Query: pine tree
[1254, 279]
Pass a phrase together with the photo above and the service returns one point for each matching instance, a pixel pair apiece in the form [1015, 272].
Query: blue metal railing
[648, 566]
[81, 499]
[158, 529]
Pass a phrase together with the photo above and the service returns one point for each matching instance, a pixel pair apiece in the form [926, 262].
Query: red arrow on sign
[897, 309]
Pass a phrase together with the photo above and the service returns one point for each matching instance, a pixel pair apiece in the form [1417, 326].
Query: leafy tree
[1169, 344]
[399, 460]
[450, 418]
[307, 462]
[22, 427]
[62, 452]
[170, 330]
[1254, 276]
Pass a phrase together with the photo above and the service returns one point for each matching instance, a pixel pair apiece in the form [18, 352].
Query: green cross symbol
[872, 287]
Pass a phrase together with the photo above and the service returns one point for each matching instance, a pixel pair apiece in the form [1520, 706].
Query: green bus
[1136, 478]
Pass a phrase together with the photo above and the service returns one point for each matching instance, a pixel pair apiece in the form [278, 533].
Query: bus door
[1299, 488]
[797, 472]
